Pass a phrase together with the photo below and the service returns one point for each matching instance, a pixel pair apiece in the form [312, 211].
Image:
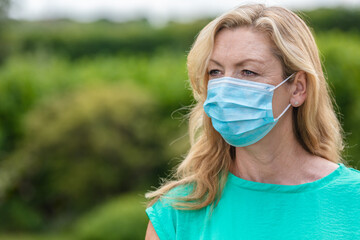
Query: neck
[278, 158]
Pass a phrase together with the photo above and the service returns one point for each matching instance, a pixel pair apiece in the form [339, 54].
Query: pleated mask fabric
[241, 110]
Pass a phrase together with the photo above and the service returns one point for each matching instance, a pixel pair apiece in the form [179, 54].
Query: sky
[154, 10]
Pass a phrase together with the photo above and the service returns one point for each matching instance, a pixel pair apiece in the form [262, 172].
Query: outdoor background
[92, 115]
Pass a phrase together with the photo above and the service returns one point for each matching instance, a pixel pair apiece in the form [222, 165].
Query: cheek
[281, 100]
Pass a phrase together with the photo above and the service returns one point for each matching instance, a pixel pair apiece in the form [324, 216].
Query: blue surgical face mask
[240, 110]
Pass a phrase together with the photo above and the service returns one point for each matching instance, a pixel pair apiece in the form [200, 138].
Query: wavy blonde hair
[315, 124]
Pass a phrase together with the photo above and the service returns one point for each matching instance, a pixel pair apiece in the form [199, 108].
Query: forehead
[241, 43]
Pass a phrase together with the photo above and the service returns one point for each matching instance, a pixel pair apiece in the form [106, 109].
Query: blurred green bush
[77, 40]
[34, 77]
[87, 146]
[121, 218]
[341, 59]
[340, 18]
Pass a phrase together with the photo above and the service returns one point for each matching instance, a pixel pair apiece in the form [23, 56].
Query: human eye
[246, 72]
[214, 73]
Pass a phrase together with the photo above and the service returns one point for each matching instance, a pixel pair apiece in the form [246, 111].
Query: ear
[298, 89]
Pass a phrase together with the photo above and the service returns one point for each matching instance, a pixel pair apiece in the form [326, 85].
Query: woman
[265, 160]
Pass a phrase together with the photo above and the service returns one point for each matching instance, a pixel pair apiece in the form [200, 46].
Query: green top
[328, 208]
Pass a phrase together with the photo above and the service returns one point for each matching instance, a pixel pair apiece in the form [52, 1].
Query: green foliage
[16, 97]
[20, 213]
[63, 109]
[121, 218]
[77, 40]
[22, 236]
[26, 80]
[4, 6]
[324, 19]
[83, 147]
[341, 55]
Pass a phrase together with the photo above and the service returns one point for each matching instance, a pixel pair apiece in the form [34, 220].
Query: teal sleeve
[163, 218]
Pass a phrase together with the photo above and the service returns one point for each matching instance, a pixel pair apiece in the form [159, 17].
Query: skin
[278, 158]
[150, 233]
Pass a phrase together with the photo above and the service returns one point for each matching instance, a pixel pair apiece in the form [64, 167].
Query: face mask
[241, 110]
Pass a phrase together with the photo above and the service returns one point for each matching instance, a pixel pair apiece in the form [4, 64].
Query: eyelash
[211, 72]
[243, 72]
[248, 71]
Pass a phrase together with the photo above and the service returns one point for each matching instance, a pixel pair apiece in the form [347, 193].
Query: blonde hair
[315, 123]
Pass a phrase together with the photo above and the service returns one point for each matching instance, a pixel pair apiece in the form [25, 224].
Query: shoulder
[163, 216]
[353, 175]
[349, 179]
[354, 171]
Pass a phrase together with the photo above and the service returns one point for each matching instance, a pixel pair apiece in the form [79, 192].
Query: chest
[255, 217]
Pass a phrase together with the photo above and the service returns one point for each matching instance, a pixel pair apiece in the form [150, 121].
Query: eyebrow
[241, 62]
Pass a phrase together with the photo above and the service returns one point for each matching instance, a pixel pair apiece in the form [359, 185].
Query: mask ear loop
[283, 82]
[288, 106]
